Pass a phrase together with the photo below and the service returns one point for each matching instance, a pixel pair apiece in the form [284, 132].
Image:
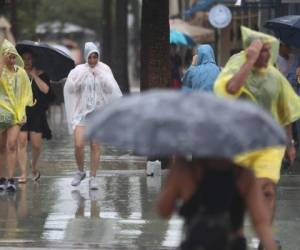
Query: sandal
[37, 176]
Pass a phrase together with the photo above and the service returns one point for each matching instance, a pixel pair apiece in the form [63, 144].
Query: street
[52, 214]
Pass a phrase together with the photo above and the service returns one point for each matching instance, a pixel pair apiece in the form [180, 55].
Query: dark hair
[33, 55]
[27, 51]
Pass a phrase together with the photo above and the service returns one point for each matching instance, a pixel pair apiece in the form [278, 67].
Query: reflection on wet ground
[120, 215]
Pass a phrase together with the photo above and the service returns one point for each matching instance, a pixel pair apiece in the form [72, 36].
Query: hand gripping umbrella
[165, 123]
[56, 63]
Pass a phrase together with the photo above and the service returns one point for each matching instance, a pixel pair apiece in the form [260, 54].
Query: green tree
[85, 13]
[155, 56]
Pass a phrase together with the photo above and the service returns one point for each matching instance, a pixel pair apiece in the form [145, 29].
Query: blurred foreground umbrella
[164, 123]
[56, 63]
[286, 28]
[180, 38]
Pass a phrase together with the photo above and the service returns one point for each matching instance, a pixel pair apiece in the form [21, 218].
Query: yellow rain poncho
[15, 90]
[270, 90]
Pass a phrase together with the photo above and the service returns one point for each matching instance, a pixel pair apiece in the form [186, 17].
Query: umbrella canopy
[198, 34]
[286, 28]
[56, 63]
[165, 123]
[180, 38]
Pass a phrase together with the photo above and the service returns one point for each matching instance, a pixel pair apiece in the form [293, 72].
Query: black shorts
[37, 122]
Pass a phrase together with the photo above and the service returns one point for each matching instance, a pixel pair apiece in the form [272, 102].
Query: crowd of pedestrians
[214, 194]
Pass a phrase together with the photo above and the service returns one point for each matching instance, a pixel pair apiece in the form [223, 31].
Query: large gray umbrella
[165, 123]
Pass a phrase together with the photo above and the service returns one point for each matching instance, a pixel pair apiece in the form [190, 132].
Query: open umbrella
[197, 33]
[164, 123]
[54, 62]
[286, 28]
[180, 38]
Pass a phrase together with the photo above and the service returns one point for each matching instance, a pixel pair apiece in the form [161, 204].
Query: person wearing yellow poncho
[15, 95]
[251, 75]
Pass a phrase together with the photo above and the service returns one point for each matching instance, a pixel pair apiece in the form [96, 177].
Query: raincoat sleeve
[7, 112]
[70, 98]
[24, 97]
[230, 69]
[187, 78]
[16, 101]
[76, 78]
[288, 103]
[110, 86]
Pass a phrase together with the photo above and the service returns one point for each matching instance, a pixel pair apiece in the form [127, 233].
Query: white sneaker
[79, 176]
[93, 183]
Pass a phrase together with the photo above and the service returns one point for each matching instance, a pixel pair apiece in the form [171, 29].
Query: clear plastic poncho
[87, 89]
[15, 90]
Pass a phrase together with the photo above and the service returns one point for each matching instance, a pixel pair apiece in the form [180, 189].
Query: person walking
[89, 86]
[251, 75]
[213, 195]
[36, 127]
[203, 72]
[15, 96]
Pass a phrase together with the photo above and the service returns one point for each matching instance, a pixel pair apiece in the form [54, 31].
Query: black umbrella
[56, 63]
[286, 28]
[164, 123]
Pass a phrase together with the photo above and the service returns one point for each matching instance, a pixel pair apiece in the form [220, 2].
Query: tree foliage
[85, 13]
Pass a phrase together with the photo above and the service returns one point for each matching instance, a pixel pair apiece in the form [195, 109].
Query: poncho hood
[90, 48]
[205, 54]
[248, 36]
[8, 48]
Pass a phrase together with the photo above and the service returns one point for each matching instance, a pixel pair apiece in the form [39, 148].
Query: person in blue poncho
[203, 72]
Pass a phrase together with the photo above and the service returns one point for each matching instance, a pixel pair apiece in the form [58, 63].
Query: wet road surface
[52, 214]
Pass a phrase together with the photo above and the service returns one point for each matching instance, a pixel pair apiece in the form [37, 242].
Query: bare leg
[2, 153]
[36, 143]
[11, 147]
[79, 146]
[22, 154]
[95, 158]
[268, 187]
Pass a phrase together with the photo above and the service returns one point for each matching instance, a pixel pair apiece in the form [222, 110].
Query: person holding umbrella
[15, 96]
[89, 86]
[251, 75]
[210, 189]
[213, 193]
[36, 127]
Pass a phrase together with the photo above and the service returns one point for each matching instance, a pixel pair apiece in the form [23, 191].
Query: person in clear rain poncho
[15, 96]
[251, 75]
[89, 86]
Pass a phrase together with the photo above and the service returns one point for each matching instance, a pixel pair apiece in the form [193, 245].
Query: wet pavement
[52, 214]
